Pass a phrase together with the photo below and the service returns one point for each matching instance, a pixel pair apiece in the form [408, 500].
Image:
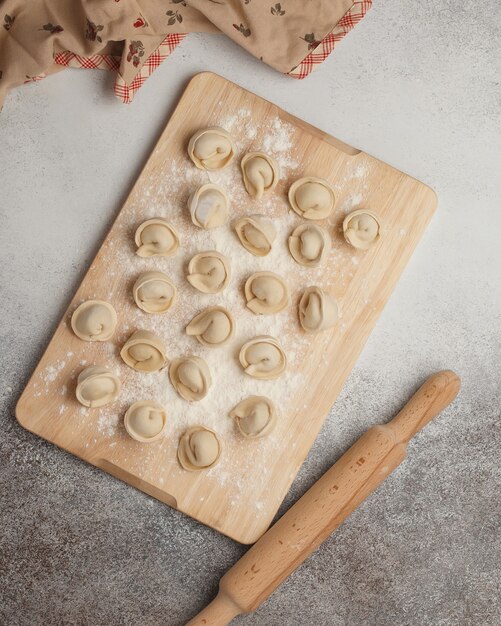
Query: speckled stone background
[417, 85]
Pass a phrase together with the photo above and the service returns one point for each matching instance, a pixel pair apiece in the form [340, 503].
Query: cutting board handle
[316, 132]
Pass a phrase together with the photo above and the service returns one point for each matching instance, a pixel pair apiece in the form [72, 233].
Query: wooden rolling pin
[325, 505]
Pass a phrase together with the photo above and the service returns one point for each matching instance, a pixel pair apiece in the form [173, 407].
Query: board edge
[23, 416]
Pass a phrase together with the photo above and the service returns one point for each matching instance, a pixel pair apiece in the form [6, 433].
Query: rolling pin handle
[326, 505]
[431, 398]
[219, 612]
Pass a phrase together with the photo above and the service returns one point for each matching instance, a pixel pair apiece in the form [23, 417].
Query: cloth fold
[132, 37]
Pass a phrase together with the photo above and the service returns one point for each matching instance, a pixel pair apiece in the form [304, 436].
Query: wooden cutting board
[240, 496]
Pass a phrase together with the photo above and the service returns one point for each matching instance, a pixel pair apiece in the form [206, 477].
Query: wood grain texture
[362, 283]
[324, 507]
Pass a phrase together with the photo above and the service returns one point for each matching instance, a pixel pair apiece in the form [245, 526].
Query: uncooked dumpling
[212, 327]
[361, 229]
[211, 148]
[260, 173]
[318, 310]
[256, 234]
[156, 237]
[199, 448]
[309, 244]
[154, 292]
[266, 293]
[190, 377]
[254, 416]
[144, 352]
[97, 386]
[145, 421]
[312, 198]
[209, 206]
[209, 272]
[94, 320]
[263, 357]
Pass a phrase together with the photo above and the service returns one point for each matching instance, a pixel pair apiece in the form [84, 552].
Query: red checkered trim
[126, 92]
[123, 91]
[329, 42]
[95, 62]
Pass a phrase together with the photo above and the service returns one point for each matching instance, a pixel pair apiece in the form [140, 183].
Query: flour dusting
[163, 192]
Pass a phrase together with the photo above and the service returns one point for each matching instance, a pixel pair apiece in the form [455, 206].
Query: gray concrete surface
[417, 85]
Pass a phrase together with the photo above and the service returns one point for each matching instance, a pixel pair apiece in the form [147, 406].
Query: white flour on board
[165, 194]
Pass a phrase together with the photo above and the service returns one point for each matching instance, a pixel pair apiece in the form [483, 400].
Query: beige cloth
[280, 34]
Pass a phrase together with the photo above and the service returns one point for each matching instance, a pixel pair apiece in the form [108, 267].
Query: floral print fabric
[128, 33]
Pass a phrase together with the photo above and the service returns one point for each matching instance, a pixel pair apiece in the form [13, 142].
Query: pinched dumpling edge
[136, 436]
[85, 305]
[249, 295]
[160, 222]
[296, 253]
[153, 276]
[86, 376]
[181, 456]
[319, 215]
[270, 425]
[201, 315]
[361, 245]
[330, 309]
[193, 204]
[205, 373]
[274, 168]
[209, 253]
[263, 339]
[199, 133]
[148, 338]
[255, 221]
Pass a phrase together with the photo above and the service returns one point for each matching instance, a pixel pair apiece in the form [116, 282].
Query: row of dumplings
[200, 447]
[265, 293]
[145, 421]
[310, 197]
[309, 244]
[209, 272]
[260, 357]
